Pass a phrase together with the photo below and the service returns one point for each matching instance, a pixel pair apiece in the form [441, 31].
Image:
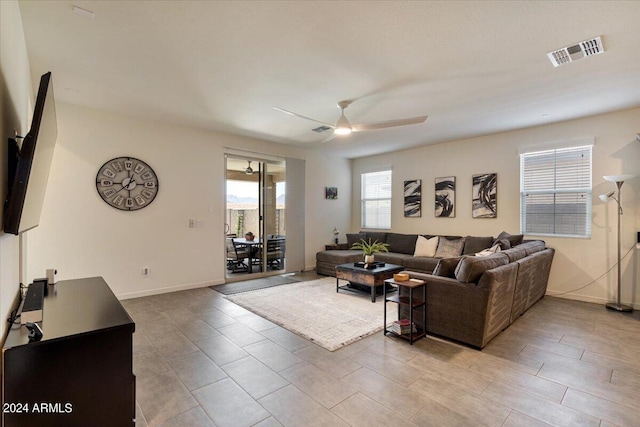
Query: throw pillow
[489, 251]
[473, 244]
[354, 238]
[449, 248]
[446, 267]
[514, 239]
[504, 244]
[426, 247]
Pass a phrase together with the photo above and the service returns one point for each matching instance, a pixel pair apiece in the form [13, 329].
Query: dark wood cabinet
[81, 372]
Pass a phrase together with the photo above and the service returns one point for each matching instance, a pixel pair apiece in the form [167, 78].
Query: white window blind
[376, 199]
[555, 192]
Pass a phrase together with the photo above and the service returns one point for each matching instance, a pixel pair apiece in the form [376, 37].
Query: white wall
[82, 236]
[577, 262]
[16, 97]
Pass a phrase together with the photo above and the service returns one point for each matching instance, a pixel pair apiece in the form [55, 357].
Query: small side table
[336, 246]
[412, 303]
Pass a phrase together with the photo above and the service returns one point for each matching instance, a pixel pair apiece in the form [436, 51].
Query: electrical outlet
[145, 271]
[200, 223]
[191, 223]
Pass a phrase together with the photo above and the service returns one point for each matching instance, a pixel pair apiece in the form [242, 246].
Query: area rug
[252, 285]
[316, 312]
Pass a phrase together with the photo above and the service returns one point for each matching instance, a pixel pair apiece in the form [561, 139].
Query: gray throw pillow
[474, 244]
[446, 267]
[449, 248]
[514, 239]
[504, 244]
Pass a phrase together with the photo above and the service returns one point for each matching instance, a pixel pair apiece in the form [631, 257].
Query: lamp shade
[606, 197]
[618, 178]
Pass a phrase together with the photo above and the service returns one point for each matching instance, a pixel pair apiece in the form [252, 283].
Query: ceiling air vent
[578, 51]
[321, 128]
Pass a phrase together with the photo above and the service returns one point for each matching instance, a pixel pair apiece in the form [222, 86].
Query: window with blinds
[555, 192]
[376, 200]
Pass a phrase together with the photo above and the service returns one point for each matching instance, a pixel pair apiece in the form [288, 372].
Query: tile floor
[201, 360]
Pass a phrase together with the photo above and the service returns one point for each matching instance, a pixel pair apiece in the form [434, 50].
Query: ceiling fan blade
[388, 124]
[302, 117]
[329, 138]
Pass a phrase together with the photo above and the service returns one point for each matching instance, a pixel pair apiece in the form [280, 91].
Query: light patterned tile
[272, 355]
[329, 362]
[196, 370]
[384, 391]
[598, 407]
[359, 410]
[241, 334]
[292, 407]
[465, 403]
[518, 419]
[387, 366]
[162, 396]
[327, 390]
[537, 407]
[191, 418]
[227, 404]
[254, 377]
[221, 350]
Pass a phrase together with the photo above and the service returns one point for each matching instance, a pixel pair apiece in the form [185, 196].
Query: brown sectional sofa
[470, 299]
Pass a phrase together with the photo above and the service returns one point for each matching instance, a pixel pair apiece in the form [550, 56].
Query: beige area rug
[316, 312]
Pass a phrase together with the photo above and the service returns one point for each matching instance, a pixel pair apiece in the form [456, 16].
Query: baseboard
[157, 291]
[583, 298]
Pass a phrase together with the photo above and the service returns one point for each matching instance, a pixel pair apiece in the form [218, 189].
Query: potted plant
[249, 236]
[370, 249]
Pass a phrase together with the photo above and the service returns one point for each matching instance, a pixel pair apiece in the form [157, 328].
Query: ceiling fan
[249, 169]
[344, 127]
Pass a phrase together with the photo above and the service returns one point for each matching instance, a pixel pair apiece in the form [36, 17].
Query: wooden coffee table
[363, 279]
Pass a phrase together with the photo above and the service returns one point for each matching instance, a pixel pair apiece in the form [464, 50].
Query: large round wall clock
[127, 183]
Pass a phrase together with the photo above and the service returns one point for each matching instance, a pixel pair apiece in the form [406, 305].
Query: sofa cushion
[514, 254]
[514, 239]
[475, 244]
[376, 236]
[533, 246]
[426, 247]
[449, 248]
[420, 263]
[446, 267]
[392, 257]
[470, 268]
[339, 257]
[354, 238]
[402, 243]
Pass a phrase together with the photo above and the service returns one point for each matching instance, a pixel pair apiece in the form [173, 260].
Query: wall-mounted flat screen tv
[30, 164]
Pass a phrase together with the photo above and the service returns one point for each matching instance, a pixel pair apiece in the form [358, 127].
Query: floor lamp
[618, 180]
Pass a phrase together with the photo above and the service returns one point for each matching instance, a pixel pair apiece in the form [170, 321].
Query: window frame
[555, 191]
[363, 200]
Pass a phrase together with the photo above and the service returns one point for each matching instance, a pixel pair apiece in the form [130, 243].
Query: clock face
[127, 183]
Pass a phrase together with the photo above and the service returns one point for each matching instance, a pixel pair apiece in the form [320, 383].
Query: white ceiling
[474, 67]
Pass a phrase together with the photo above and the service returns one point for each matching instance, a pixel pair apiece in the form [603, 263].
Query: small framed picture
[331, 193]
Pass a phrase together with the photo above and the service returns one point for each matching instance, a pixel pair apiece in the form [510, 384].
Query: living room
[83, 237]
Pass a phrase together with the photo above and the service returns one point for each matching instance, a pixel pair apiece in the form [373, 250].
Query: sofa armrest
[469, 312]
[501, 283]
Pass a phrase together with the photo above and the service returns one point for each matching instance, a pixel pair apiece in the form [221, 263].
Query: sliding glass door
[255, 217]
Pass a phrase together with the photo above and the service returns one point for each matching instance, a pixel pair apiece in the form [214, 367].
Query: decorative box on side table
[410, 301]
